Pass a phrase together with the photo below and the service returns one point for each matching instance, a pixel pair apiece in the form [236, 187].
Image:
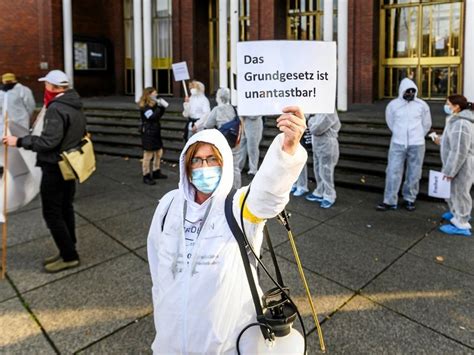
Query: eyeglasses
[197, 162]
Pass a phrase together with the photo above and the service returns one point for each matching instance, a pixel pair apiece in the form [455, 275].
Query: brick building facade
[32, 45]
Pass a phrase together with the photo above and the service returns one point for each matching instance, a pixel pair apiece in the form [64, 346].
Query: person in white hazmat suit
[222, 113]
[201, 295]
[249, 143]
[17, 104]
[300, 187]
[457, 154]
[324, 127]
[196, 107]
[21, 105]
[409, 120]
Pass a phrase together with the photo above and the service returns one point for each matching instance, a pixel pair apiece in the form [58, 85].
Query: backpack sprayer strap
[239, 237]
[272, 253]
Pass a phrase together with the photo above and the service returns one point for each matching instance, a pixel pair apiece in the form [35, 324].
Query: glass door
[421, 40]
[304, 20]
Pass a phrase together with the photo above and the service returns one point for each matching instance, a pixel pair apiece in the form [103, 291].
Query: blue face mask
[207, 179]
[448, 110]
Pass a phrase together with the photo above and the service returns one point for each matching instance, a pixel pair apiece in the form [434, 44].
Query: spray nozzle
[284, 218]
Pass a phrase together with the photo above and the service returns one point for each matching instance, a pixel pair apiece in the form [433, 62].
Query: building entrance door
[421, 40]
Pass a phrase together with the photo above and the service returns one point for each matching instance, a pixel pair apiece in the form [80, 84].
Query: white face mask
[193, 91]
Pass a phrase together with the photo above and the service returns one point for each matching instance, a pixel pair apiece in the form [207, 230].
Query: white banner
[438, 186]
[275, 74]
[180, 71]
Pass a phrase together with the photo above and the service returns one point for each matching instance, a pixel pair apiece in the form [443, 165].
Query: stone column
[147, 38]
[234, 38]
[137, 48]
[223, 43]
[469, 51]
[342, 24]
[67, 39]
[327, 20]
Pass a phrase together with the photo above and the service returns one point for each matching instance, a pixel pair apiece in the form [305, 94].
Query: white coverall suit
[250, 141]
[409, 122]
[457, 154]
[325, 127]
[201, 296]
[20, 107]
[197, 108]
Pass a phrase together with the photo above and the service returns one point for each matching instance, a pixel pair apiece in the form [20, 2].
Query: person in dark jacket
[64, 127]
[151, 110]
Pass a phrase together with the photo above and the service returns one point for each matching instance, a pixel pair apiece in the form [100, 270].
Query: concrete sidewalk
[382, 282]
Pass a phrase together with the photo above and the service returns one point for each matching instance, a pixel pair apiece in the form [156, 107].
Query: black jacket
[150, 128]
[64, 127]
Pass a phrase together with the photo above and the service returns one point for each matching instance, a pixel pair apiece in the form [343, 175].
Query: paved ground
[382, 282]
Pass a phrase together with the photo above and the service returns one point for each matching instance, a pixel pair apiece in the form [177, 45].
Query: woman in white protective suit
[324, 127]
[196, 107]
[457, 154]
[409, 120]
[201, 296]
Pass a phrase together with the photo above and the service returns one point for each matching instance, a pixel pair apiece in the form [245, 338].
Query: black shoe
[157, 174]
[148, 179]
[384, 207]
[409, 206]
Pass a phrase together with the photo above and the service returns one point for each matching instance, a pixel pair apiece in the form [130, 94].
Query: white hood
[409, 121]
[406, 84]
[214, 137]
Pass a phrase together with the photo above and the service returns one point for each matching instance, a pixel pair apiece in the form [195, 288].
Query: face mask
[207, 179]
[194, 91]
[448, 110]
[409, 96]
[49, 96]
[8, 87]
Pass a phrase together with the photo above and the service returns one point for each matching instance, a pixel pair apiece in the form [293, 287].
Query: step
[126, 140]
[365, 131]
[133, 152]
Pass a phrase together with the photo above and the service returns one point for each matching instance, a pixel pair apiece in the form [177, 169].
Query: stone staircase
[364, 140]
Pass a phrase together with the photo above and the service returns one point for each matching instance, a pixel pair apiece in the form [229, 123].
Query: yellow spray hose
[283, 217]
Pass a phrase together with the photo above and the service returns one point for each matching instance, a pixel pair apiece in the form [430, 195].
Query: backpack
[232, 130]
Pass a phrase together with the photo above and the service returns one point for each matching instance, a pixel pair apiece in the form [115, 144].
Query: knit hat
[8, 77]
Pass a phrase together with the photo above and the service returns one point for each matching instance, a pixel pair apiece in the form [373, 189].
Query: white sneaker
[299, 192]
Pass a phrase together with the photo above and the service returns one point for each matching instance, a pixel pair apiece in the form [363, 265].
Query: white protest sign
[438, 186]
[275, 74]
[180, 71]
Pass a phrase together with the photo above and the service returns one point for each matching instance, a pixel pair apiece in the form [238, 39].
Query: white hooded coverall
[457, 155]
[409, 122]
[201, 296]
[198, 107]
[250, 142]
[20, 107]
[324, 128]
